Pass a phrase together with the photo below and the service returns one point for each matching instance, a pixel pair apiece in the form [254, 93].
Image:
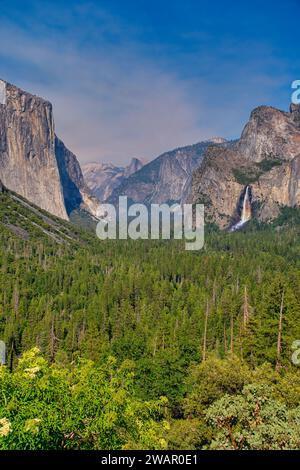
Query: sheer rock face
[165, 179]
[134, 166]
[295, 112]
[270, 132]
[28, 164]
[70, 175]
[33, 161]
[267, 157]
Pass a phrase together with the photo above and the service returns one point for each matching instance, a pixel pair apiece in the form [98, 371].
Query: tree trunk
[225, 339]
[205, 333]
[279, 338]
[246, 310]
[231, 333]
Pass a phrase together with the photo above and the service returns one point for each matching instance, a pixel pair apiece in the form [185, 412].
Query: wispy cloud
[110, 103]
[115, 96]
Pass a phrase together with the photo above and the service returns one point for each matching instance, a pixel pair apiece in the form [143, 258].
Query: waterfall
[246, 211]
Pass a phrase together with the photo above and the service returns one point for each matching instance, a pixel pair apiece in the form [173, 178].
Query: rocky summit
[33, 162]
[104, 178]
[266, 158]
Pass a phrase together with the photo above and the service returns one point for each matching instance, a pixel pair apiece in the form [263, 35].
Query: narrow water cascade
[246, 211]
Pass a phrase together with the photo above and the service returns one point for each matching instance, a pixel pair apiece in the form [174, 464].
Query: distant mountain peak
[104, 178]
[134, 165]
[217, 140]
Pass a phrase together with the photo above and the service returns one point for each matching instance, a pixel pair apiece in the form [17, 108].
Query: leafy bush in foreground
[84, 406]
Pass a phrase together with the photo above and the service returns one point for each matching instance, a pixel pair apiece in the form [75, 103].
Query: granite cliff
[266, 158]
[33, 161]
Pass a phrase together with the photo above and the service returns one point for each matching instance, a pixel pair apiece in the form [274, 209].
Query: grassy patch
[248, 175]
[267, 165]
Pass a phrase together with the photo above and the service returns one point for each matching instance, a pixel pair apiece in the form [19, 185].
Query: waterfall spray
[246, 211]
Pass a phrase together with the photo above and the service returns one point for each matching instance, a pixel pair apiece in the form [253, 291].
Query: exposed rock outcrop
[103, 178]
[28, 164]
[134, 166]
[267, 157]
[33, 161]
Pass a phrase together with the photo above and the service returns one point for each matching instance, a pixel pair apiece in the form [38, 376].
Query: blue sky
[139, 77]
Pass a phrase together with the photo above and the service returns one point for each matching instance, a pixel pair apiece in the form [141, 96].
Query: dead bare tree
[246, 308]
[205, 332]
[231, 333]
[225, 338]
[279, 337]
